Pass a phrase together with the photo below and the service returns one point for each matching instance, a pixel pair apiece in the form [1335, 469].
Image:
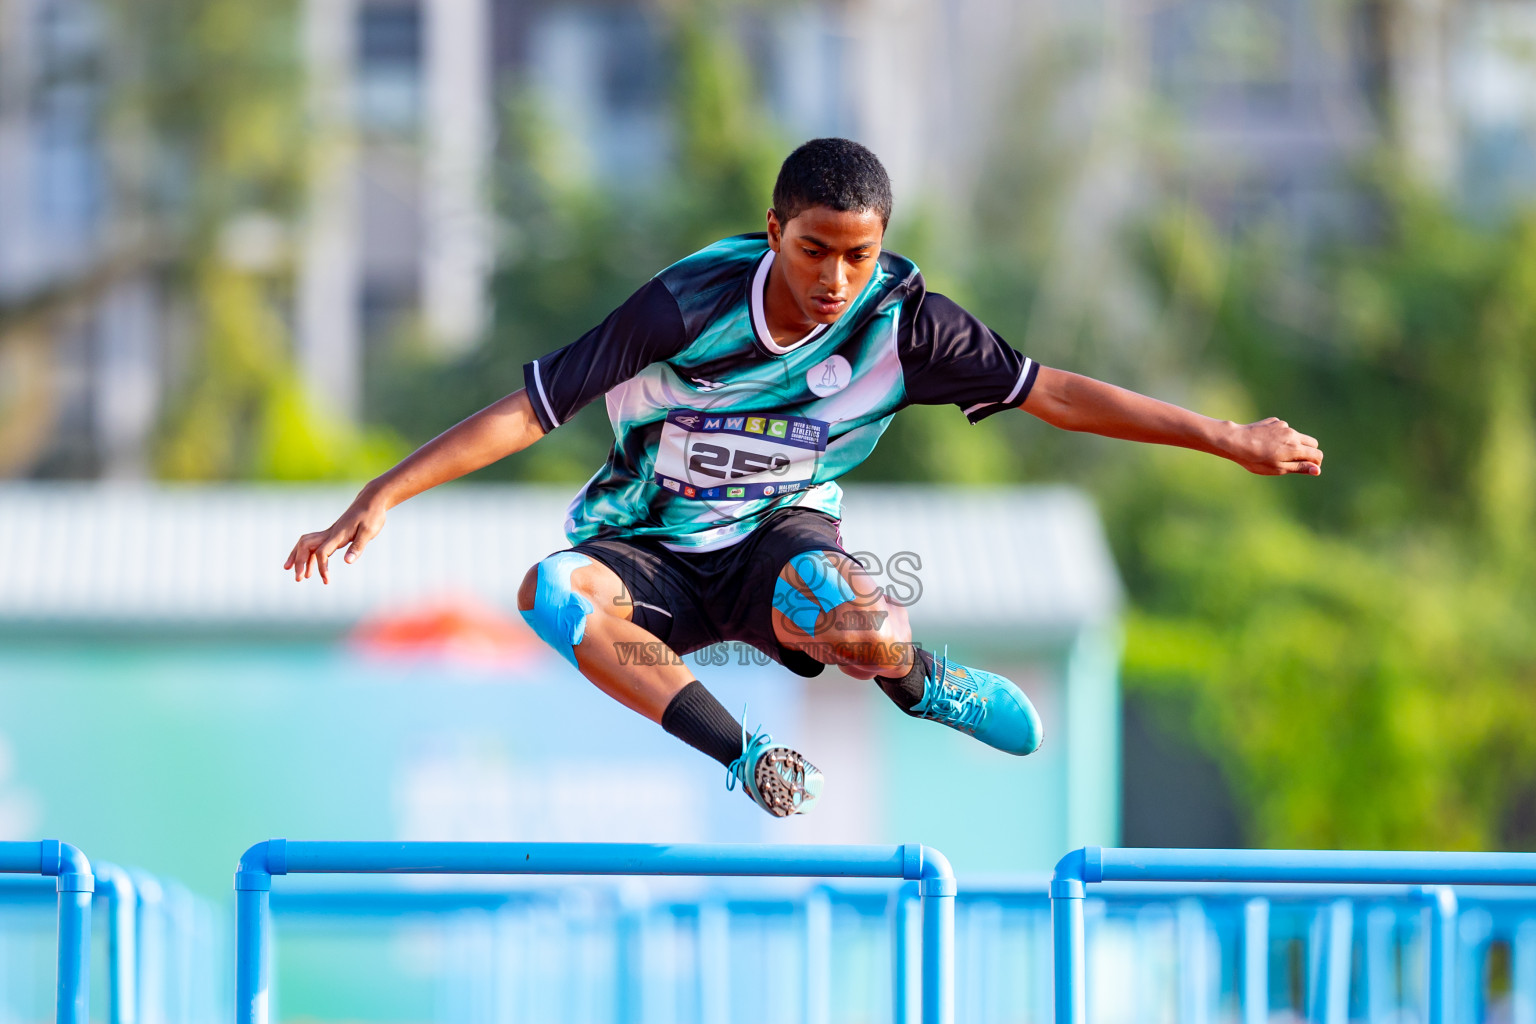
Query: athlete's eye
[813, 253]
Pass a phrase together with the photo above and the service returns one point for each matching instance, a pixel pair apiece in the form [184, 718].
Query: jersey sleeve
[950, 357]
[647, 328]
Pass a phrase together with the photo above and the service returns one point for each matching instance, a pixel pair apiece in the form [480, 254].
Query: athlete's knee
[869, 636]
[843, 624]
[823, 595]
[553, 605]
[528, 588]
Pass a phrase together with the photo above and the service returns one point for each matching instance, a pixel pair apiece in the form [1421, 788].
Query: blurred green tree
[218, 86]
[1358, 647]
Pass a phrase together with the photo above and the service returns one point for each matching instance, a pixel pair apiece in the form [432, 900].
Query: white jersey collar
[760, 320]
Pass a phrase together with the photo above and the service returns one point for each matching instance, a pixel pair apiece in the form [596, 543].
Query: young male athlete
[741, 382]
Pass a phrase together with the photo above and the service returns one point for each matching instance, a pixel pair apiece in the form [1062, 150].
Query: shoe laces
[954, 703]
[738, 768]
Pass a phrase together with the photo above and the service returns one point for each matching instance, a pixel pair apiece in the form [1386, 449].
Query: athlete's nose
[834, 278]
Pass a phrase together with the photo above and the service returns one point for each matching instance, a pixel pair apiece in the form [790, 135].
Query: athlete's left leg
[611, 607]
[826, 606]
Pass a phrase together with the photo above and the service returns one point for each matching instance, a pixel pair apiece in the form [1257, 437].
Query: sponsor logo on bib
[829, 376]
[737, 458]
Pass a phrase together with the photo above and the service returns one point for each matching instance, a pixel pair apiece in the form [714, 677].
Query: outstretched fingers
[298, 558]
[306, 552]
[314, 550]
[333, 540]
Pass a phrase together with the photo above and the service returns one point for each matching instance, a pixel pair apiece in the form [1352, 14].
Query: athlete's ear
[775, 230]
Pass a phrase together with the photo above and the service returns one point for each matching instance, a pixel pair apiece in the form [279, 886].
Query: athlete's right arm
[493, 433]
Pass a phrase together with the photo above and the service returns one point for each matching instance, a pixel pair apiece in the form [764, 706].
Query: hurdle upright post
[1255, 984]
[1068, 940]
[817, 990]
[253, 921]
[122, 942]
[1442, 953]
[936, 888]
[906, 966]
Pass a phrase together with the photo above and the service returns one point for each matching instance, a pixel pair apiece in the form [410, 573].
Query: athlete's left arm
[1074, 402]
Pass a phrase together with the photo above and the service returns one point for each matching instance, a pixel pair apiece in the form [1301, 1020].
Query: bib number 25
[720, 462]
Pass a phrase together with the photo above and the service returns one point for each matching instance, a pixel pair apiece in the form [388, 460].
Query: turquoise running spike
[980, 704]
[778, 779]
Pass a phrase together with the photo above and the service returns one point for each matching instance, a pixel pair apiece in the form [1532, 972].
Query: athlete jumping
[741, 382]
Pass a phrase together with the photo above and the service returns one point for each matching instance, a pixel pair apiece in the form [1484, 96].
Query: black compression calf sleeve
[699, 720]
[906, 691]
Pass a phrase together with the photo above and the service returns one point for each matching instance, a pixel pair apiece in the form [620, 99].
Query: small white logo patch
[829, 376]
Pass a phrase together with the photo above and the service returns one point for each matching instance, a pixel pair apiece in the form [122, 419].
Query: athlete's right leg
[590, 612]
[584, 610]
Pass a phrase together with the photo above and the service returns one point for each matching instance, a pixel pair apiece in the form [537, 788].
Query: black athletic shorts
[692, 600]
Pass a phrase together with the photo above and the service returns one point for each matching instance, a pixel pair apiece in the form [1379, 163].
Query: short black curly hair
[838, 173]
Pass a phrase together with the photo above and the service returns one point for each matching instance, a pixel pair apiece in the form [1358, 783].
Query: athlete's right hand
[358, 525]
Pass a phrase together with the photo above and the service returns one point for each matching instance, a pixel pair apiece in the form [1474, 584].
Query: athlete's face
[825, 257]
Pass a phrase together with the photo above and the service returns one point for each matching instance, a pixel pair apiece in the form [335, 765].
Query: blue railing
[51, 858]
[927, 867]
[1350, 951]
[1438, 871]
[1359, 915]
[155, 955]
[1191, 951]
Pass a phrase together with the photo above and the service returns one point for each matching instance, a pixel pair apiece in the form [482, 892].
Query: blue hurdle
[138, 911]
[922, 864]
[75, 885]
[1438, 870]
[1244, 911]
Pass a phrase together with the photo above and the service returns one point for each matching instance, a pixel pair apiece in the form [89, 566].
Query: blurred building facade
[79, 353]
[1266, 104]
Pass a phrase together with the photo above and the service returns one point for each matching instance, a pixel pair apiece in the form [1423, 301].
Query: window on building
[66, 120]
[389, 66]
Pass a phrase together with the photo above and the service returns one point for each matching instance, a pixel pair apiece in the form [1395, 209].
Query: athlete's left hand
[1271, 447]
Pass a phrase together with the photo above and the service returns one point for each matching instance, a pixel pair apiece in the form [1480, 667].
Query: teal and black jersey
[716, 426]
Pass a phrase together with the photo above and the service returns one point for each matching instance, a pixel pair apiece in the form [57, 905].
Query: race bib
[737, 457]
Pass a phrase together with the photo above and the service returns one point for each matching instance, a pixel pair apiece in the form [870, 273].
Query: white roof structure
[211, 556]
